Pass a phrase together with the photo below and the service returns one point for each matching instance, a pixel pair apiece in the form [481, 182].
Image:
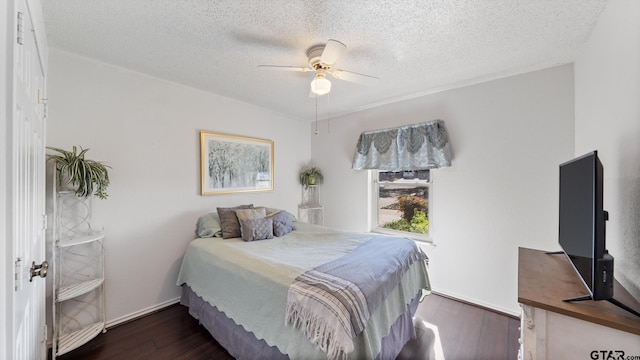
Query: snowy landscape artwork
[232, 163]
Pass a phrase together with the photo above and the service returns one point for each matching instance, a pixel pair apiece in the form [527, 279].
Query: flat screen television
[582, 225]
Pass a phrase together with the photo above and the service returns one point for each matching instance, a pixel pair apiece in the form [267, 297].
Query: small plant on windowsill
[83, 176]
[311, 176]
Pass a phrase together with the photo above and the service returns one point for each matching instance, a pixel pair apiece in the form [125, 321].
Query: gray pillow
[256, 229]
[255, 213]
[282, 223]
[208, 226]
[229, 221]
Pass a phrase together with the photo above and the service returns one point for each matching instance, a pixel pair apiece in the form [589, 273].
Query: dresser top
[544, 280]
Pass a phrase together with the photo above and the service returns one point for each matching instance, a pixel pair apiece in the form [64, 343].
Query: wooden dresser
[553, 329]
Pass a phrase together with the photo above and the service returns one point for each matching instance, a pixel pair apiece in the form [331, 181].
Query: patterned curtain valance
[412, 147]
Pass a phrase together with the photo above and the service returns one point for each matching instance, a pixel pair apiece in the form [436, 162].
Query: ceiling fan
[321, 59]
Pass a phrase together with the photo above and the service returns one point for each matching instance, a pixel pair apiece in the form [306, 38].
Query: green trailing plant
[86, 177]
[311, 176]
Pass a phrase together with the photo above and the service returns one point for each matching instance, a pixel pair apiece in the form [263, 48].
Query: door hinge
[42, 101]
[44, 222]
[44, 333]
[20, 38]
[18, 275]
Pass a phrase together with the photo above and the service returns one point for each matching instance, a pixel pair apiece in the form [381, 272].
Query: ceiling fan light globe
[320, 85]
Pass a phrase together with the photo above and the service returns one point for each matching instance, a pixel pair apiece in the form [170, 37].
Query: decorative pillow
[229, 221]
[208, 226]
[282, 223]
[292, 217]
[254, 213]
[268, 211]
[256, 229]
[272, 211]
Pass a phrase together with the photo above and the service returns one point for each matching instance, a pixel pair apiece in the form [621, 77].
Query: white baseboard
[141, 313]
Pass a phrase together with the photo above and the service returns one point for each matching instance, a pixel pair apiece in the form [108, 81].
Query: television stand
[578, 298]
[588, 297]
[612, 300]
[554, 252]
[623, 306]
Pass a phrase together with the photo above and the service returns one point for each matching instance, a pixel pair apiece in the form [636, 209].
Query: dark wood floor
[445, 327]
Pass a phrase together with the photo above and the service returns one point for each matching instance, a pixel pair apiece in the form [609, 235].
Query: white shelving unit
[78, 273]
[310, 211]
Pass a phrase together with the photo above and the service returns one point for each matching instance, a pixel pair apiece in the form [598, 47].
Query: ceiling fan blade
[284, 68]
[332, 52]
[354, 77]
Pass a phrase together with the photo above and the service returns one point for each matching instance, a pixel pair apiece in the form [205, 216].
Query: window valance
[412, 147]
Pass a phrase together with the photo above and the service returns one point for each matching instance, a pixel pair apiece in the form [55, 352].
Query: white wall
[508, 137]
[148, 131]
[607, 107]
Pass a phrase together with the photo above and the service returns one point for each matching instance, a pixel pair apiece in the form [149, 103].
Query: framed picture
[230, 163]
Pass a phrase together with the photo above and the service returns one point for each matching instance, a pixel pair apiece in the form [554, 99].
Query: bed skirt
[244, 345]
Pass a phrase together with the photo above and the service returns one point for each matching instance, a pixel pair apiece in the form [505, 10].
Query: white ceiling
[414, 47]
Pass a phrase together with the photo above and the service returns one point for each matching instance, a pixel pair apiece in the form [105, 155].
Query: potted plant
[85, 177]
[311, 176]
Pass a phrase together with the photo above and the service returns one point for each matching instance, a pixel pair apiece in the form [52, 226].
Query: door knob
[38, 270]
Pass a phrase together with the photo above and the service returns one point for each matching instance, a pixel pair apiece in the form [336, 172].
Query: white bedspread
[248, 281]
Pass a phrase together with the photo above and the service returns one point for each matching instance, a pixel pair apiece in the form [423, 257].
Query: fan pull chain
[328, 117]
[316, 115]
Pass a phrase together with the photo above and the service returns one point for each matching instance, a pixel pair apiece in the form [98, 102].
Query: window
[402, 202]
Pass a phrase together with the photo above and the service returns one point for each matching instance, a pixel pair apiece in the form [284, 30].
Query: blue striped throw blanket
[332, 303]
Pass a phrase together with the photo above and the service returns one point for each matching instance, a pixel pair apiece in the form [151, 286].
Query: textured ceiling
[414, 47]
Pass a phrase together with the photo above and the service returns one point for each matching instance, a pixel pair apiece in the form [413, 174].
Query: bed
[242, 291]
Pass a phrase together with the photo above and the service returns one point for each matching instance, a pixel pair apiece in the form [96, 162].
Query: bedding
[229, 221]
[255, 213]
[282, 223]
[333, 301]
[256, 229]
[208, 225]
[254, 224]
[242, 344]
[248, 283]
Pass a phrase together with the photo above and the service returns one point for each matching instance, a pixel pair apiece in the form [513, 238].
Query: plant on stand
[311, 176]
[85, 177]
[77, 249]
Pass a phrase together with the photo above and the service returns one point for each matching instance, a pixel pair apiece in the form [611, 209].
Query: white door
[26, 181]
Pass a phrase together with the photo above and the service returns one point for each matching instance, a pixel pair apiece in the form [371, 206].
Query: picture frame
[233, 164]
